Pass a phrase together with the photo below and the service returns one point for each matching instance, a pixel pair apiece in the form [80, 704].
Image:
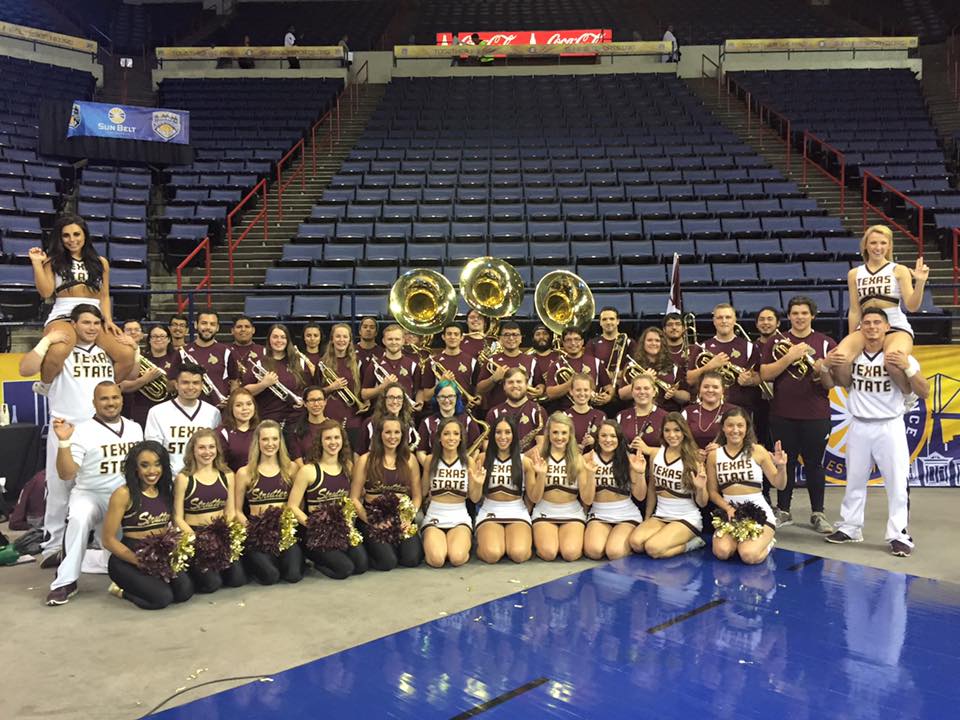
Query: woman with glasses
[449, 403]
[302, 435]
[392, 401]
[136, 405]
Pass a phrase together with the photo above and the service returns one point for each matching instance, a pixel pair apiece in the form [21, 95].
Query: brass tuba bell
[423, 301]
[563, 300]
[492, 287]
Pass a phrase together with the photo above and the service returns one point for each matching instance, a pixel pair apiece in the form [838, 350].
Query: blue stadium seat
[295, 255]
[803, 248]
[385, 254]
[431, 232]
[331, 277]
[830, 272]
[426, 254]
[755, 250]
[502, 212]
[781, 273]
[666, 249]
[375, 277]
[124, 255]
[600, 275]
[308, 232]
[633, 252]
[645, 275]
[516, 230]
[267, 308]
[342, 254]
[462, 253]
[286, 278]
[717, 250]
[735, 273]
[750, 302]
[703, 302]
[390, 232]
[549, 252]
[842, 248]
[782, 226]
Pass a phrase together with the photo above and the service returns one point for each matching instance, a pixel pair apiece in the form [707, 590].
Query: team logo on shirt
[918, 423]
[524, 420]
[212, 360]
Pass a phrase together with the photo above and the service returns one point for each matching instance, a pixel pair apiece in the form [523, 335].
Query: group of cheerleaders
[556, 499]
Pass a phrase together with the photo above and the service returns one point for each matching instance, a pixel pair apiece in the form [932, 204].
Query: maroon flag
[675, 300]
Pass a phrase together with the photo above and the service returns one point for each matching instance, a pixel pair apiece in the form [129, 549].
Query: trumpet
[799, 369]
[345, 393]
[729, 373]
[380, 373]
[208, 387]
[564, 370]
[278, 388]
[156, 390]
[766, 388]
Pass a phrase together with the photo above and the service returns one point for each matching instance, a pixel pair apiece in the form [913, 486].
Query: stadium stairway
[770, 145]
[255, 253]
[942, 106]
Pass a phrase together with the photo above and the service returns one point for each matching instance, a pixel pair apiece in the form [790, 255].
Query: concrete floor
[99, 657]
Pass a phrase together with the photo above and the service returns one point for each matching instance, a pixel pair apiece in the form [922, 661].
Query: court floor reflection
[795, 637]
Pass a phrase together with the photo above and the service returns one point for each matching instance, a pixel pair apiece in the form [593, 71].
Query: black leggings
[809, 439]
[211, 581]
[146, 591]
[268, 569]
[384, 556]
[340, 564]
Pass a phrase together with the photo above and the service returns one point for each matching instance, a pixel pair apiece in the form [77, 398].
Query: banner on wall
[932, 426]
[128, 122]
[531, 37]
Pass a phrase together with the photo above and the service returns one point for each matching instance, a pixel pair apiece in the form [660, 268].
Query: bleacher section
[29, 13]
[879, 120]
[608, 176]
[710, 22]
[240, 128]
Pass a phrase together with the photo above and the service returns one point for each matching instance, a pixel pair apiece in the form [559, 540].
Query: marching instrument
[799, 369]
[633, 369]
[345, 393]
[156, 390]
[481, 439]
[494, 289]
[563, 300]
[380, 373]
[615, 362]
[766, 388]
[278, 388]
[690, 339]
[208, 387]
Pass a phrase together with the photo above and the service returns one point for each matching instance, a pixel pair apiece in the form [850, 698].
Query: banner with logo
[531, 37]
[127, 122]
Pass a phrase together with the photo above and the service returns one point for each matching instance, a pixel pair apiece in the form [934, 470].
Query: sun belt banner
[127, 122]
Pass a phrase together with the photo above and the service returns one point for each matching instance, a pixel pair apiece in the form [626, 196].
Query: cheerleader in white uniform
[568, 480]
[620, 479]
[676, 492]
[449, 477]
[735, 472]
[884, 284]
[503, 521]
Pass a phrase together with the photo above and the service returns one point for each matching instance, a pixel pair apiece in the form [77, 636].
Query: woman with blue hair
[447, 402]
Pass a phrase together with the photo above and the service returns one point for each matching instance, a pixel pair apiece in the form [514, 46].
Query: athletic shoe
[840, 537]
[900, 549]
[41, 388]
[783, 517]
[821, 524]
[115, 590]
[61, 595]
[695, 544]
[51, 562]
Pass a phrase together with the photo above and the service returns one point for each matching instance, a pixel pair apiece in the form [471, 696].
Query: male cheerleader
[172, 423]
[90, 455]
[876, 433]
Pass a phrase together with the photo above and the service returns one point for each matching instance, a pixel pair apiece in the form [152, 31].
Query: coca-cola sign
[531, 37]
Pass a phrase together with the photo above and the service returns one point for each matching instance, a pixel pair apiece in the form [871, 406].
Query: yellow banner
[304, 52]
[21, 32]
[420, 52]
[812, 44]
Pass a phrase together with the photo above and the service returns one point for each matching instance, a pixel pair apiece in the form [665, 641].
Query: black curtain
[54, 115]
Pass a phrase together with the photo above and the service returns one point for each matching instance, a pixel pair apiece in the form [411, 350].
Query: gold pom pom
[182, 553]
[288, 529]
[407, 514]
[350, 517]
[238, 536]
[747, 530]
[722, 527]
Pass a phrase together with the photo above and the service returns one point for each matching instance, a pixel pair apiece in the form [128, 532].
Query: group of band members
[569, 451]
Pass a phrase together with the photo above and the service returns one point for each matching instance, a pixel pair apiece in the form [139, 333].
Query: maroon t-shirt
[670, 377]
[240, 355]
[586, 364]
[429, 425]
[217, 361]
[742, 353]
[365, 437]
[800, 399]
[648, 426]
[299, 446]
[584, 423]
[530, 417]
[236, 446]
[336, 408]
[269, 406]
[406, 368]
[364, 354]
[135, 404]
[495, 396]
[704, 424]
[471, 345]
[602, 349]
[462, 365]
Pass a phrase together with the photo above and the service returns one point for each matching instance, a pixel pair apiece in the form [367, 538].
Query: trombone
[481, 439]
[617, 354]
[344, 393]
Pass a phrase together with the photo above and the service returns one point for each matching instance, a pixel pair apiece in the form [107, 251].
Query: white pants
[883, 442]
[86, 512]
[58, 496]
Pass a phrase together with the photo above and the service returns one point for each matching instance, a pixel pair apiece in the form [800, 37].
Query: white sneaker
[41, 388]
[783, 517]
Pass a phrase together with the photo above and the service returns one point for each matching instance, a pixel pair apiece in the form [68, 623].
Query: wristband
[910, 371]
[64, 444]
[42, 347]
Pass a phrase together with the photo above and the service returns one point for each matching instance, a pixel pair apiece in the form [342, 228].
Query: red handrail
[956, 267]
[261, 215]
[355, 86]
[281, 185]
[328, 117]
[809, 137]
[204, 282]
[918, 238]
[783, 122]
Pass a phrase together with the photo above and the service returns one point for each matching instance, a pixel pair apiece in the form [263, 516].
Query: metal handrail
[281, 185]
[918, 237]
[205, 281]
[956, 267]
[262, 214]
[809, 137]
